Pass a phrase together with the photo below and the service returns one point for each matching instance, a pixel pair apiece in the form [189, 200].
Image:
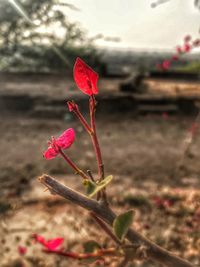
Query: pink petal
[50, 153]
[40, 239]
[166, 64]
[85, 77]
[187, 48]
[22, 250]
[66, 139]
[53, 244]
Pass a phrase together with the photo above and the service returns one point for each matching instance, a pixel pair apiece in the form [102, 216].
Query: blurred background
[147, 56]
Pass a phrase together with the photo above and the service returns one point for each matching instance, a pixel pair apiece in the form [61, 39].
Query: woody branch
[153, 251]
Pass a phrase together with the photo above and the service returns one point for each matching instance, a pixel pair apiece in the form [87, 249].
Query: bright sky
[136, 23]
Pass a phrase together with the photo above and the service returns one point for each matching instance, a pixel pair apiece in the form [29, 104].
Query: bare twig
[153, 251]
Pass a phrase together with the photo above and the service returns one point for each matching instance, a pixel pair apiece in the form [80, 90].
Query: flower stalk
[73, 165]
[92, 104]
[81, 256]
[74, 108]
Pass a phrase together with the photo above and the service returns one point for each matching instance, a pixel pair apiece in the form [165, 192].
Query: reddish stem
[95, 142]
[90, 129]
[81, 256]
[95, 139]
[83, 121]
[74, 107]
[73, 165]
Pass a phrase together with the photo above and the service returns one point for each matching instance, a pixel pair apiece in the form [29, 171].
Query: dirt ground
[142, 152]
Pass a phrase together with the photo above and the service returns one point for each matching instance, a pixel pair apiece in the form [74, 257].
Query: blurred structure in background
[38, 36]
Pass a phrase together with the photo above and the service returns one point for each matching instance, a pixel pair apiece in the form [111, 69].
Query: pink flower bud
[72, 106]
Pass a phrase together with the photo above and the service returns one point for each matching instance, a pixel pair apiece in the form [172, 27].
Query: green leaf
[122, 223]
[90, 186]
[93, 188]
[91, 246]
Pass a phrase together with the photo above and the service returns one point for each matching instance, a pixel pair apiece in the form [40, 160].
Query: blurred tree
[158, 2]
[38, 35]
[197, 3]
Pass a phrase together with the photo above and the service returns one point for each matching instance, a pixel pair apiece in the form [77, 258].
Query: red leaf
[85, 77]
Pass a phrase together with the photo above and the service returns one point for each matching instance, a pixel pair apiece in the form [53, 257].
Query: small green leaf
[91, 246]
[90, 186]
[122, 223]
[93, 188]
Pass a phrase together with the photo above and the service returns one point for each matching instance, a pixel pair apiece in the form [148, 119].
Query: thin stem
[81, 256]
[95, 139]
[105, 228]
[92, 104]
[73, 165]
[90, 129]
[83, 121]
[98, 155]
[73, 107]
